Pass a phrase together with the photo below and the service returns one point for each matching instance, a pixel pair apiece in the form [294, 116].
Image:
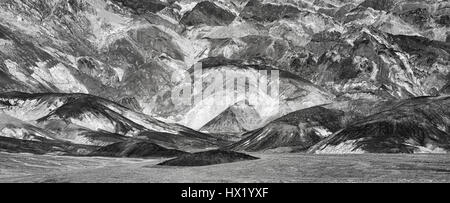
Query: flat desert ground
[271, 168]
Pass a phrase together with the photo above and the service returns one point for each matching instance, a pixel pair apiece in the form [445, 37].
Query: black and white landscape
[87, 91]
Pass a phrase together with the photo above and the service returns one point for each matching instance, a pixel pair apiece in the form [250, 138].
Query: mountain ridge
[100, 72]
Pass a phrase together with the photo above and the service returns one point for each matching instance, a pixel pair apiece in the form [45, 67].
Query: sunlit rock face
[292, 93]
[380, 65]
[16, 129]
[52, 45]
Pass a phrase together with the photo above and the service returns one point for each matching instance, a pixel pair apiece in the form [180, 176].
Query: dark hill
[136, 149]
[208, 158]
[301, 129]
[207, 13]
[420, 125]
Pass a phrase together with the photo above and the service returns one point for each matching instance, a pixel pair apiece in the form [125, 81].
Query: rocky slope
[122, 50]
[137, 53]
[292, 93]
[81, 119]
[235, 120]
[419, 125]
[300, 130]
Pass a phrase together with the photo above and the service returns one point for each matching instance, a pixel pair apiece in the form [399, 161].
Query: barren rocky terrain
[318, 90]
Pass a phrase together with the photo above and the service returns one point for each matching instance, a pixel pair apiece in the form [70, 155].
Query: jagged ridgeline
[87, 77]
[81, 124]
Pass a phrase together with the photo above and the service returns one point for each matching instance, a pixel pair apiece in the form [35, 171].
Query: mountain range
[96, 77]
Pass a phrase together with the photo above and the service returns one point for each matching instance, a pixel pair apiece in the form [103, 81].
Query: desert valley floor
[283, 168]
